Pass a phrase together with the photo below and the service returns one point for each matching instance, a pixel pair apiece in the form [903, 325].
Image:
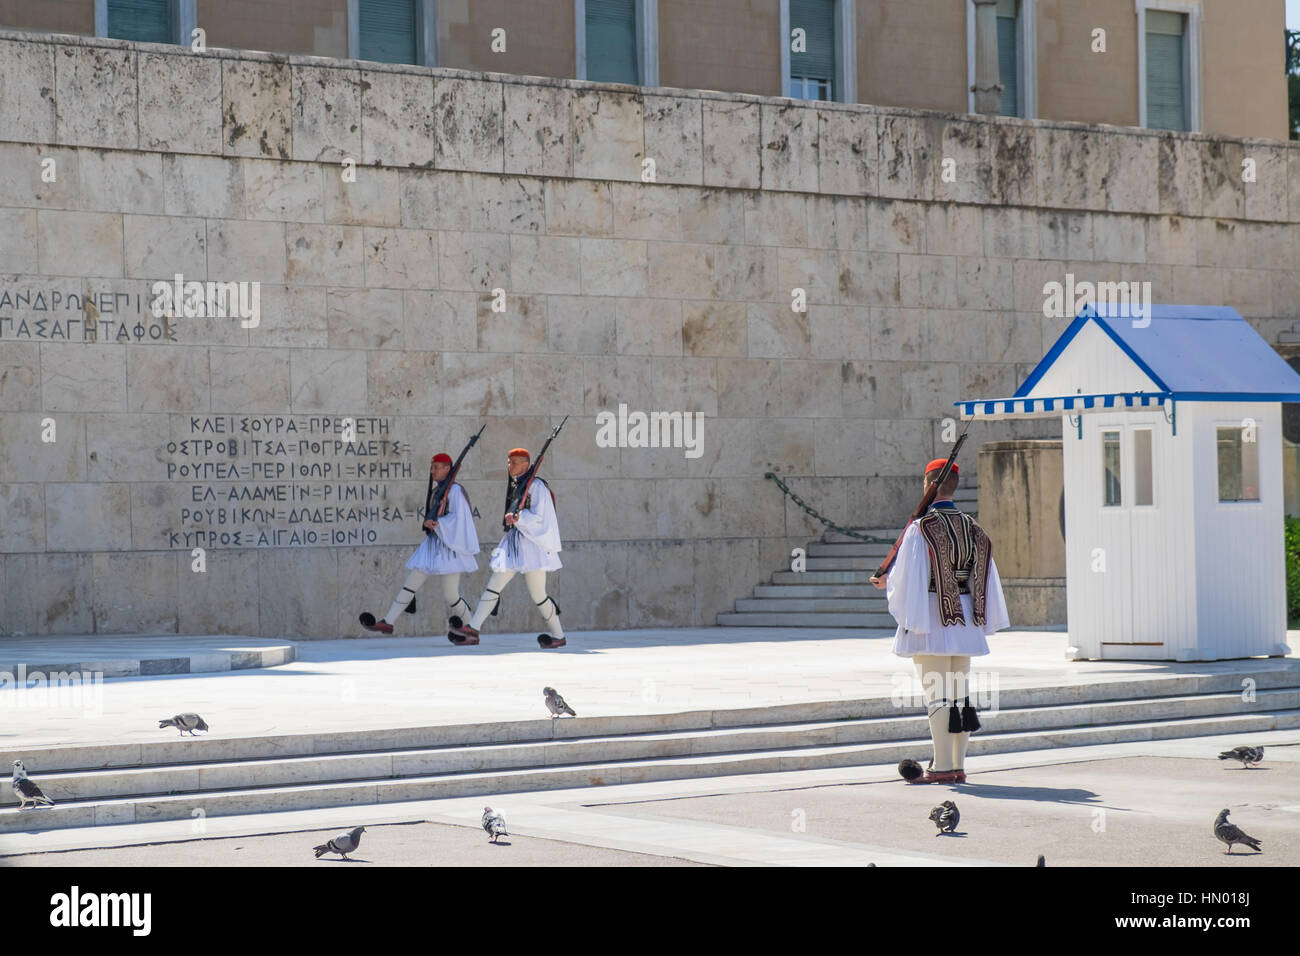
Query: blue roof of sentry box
[1205, 353]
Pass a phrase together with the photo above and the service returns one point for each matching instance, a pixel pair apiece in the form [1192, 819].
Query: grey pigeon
[343, 844]
[946, 817]
[555, 703]
[494, 824]
[29, 795]
[1230, 833]
[1247, 755]
[184, 723]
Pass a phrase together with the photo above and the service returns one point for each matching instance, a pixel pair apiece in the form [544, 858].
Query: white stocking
[405, 596]
[536, 581]
[932, 670]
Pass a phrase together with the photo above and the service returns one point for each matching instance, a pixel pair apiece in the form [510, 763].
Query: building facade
[1214, 66]
[434, 249]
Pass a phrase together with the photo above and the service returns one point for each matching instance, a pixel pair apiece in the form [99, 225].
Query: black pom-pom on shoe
[909, 769]
[367, 619]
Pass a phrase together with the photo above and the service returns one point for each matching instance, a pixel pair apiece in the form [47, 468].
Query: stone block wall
[385, 212]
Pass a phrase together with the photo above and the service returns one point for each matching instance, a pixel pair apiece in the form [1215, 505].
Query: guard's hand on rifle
[512, 518]
[430, 524]
[880, 583]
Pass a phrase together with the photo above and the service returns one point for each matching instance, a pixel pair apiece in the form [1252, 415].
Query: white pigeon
[555, 703]
[184, 722]
[344, 843]
[29, 795]
[494, 824]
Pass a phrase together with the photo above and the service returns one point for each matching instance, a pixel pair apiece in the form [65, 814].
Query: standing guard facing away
[945, 594]
[530, 547]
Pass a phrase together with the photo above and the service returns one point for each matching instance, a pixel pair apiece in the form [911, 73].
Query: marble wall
[438, 249]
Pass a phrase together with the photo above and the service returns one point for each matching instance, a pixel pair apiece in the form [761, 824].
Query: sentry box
[1172, 424]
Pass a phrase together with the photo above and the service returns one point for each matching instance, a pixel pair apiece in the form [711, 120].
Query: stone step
[843, 564]
[835, 537]
[861, 550]
[810, 605]
[329, 768]
[821, 619]
[818, 591]
[823, 577]
[261, 799]
[207, 750]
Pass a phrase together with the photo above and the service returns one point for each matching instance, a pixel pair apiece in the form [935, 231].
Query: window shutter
[611, 41]
[817, 18]
[147, 21]
[1009, 65]
[387, 30]
[1166, 99]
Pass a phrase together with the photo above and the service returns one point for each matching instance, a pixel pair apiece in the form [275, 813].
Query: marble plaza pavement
[410, 682]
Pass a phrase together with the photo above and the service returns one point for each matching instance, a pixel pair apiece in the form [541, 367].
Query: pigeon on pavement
[946, 817]
[183, 723]
[343, 844]
[29, 795]
[1247, 755]
[494, 824]
[1230, 833]
[555, 703]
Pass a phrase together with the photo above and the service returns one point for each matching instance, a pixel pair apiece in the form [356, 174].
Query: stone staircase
[834, 590]
[184, 779]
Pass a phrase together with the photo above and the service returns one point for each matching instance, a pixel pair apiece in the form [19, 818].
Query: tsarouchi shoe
[548, 642]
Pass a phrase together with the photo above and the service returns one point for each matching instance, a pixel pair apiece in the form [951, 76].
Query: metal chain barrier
[821, 517]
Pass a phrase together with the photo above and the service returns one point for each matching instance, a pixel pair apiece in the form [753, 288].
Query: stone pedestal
[1021, 494]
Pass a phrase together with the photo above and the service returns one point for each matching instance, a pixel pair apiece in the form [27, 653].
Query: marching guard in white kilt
[447, 551]
[530, 547]
[945, 594]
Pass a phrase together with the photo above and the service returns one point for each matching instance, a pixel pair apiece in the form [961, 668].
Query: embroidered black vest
[960, 552]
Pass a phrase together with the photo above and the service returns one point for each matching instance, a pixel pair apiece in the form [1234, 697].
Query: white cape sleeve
[909, 581]
[456, 528]
[538, 522]
[995, 605]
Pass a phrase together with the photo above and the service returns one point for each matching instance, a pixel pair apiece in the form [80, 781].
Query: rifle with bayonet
[926, 500]
[436, 496]
[517, 500]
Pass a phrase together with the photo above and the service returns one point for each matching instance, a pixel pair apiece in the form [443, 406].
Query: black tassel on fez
[969, 722]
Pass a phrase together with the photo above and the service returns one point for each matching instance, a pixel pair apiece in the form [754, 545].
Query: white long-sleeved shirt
[916, 608]
[454, 542]
[534, 542]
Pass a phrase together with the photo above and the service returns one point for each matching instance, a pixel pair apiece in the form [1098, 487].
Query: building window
[1168, 64]
[1110, 469]
[1142, 483]
[817, 51]
[145, 21]
[812, 49]
[1017, 65]
[393, 31]
[1238, 466]
[387, 31]
[618, 41]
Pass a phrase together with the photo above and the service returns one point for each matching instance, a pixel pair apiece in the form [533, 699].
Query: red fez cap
[442, 457]
[519, 453]
[937, 465]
